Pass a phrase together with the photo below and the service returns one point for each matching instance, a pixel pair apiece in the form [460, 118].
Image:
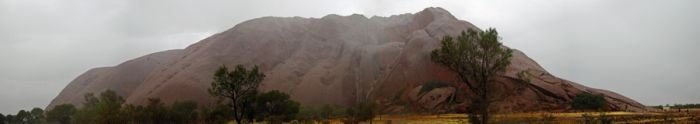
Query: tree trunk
[484, 116]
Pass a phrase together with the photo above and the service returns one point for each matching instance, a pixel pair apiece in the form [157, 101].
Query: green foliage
[475, 56]
[37, 116]
[681, 106]
[107, 109]
[104, 110]
[135, 114]
[238, 87]
[9, 119]
[2, 118]
[184, 112]
[156, 112]
[24, 117]
[217, 114]
[275, 107]
[308, 115]
[61, 114]
[34, 116]
[430, 85]
[360, 112]
[588, 101]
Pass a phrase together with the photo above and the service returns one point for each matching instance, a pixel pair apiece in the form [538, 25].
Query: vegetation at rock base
[476, 56]
[61, 114]
[588, 101]
[34, 116]
[275, 107]
[363, 111]
[237, 89]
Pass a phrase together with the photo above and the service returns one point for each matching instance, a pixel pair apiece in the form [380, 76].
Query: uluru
[337, 60]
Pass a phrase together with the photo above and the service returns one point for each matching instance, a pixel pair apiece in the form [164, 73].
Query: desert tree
[105, 109]
[37, 116]
[238, 87]
[275, 107]
[588, 101]
[34, 116]
[217, 114]
[2, 118]
[60, 114]
[156, 112]
[9, 119]
[22, 117]
[478, 57]
[183, 112]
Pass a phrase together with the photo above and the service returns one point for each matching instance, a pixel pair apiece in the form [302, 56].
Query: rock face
[337, 60]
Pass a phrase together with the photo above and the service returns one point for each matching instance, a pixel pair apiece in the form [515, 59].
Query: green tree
[184, 112]
[37, 116]
[588, 101]
[10, 119]
[134, 114]
[276, 107]
[475, 56]
[156, 112]
[104, 110]
[217, 114]
[2, 118]
[23, 117]
[61, 114]
[87, 113]
[109, 108]
[308, 114]
[238, 87]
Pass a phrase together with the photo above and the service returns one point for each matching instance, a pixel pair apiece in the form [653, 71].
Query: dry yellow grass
[559, 118]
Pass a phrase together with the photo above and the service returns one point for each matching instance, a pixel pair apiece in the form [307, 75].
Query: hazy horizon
[645, 50]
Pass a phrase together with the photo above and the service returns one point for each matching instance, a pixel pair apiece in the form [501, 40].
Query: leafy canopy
[588, 101]
[238, 87]
[61, 114]
[476, 56]
[276, 107]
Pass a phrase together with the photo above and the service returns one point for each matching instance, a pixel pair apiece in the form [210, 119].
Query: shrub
[61, 114]
[588, 101]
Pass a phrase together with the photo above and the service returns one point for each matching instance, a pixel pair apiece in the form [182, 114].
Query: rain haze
[646, 50]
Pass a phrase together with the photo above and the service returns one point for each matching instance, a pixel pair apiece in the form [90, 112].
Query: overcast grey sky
[644, 49]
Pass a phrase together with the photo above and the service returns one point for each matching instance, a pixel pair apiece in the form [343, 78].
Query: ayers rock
[336, 60]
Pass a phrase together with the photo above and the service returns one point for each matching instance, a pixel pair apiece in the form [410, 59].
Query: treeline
[34, 116]
[108, 108]
[239, 101]
[685, 106]
[679, 106]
